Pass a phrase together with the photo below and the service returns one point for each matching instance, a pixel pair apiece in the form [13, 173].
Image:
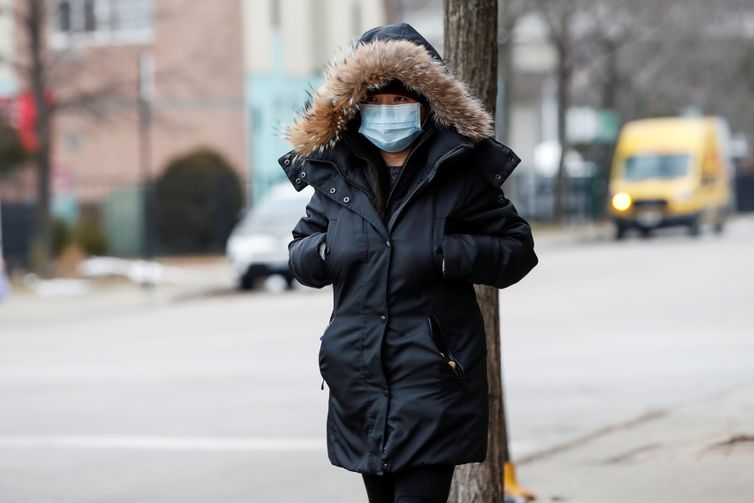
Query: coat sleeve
[304, 259]
[496, 247]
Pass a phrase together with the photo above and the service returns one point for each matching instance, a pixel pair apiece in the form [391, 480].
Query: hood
[381, 54]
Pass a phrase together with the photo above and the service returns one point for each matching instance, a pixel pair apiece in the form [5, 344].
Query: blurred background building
[140, 85]
[218, 76]
[287, 42]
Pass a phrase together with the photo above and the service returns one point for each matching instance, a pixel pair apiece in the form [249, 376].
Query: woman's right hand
[321, 248]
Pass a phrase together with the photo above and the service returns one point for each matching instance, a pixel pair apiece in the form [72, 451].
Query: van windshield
[645, 166]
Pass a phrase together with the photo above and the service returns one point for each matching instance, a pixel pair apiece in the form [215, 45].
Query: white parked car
[258, 245]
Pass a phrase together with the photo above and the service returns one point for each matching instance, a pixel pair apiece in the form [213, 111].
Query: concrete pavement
[700, 451]
[194, 393]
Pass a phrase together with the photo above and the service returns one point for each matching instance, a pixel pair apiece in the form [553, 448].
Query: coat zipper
[405, 199]
[400, 174]
[425, 181]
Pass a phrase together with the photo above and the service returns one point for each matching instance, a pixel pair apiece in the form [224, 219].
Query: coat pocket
[444, 351]
[321, 358]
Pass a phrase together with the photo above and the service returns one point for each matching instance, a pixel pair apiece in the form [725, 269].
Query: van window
[645, 166]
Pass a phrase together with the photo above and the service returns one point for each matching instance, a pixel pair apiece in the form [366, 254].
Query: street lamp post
[145, 91]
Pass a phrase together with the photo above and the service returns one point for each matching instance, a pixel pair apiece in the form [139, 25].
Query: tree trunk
[471, 53]
[612, 77]
[504, 114]
[563, 46]
[506, 62]
[35, 19]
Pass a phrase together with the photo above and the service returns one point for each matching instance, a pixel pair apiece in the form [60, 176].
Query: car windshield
[273, 214]
[642, 167]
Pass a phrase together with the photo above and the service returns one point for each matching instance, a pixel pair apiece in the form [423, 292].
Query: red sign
[21, 113]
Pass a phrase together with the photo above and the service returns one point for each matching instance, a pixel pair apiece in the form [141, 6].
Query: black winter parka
[399, 314]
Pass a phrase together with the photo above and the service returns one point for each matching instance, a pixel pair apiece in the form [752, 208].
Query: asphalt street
[132, 397]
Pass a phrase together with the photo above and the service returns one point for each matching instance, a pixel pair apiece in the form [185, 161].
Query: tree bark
[470, 51]
[563, 79]
[35, 23]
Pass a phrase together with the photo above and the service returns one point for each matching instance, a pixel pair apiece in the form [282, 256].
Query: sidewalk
[554, 235]
[195, 278]
[699, 452]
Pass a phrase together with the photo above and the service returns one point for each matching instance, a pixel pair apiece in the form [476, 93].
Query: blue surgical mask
[391, 128]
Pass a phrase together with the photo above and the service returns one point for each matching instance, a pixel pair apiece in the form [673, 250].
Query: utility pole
[145, 93]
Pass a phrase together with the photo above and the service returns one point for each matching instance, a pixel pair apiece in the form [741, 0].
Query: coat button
[498, 176]
[384, 392]
[387, 243]
[383, 318]
[287, 161]
[386, 466]
[298, 180]
[302, 174]
[332, 190]
[500, 198]
[346, 199]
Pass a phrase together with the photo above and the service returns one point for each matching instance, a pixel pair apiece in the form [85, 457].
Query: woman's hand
[498, 249]
[308, 235]
[322, 247]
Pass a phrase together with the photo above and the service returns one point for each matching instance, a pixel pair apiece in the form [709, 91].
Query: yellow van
[671, 171]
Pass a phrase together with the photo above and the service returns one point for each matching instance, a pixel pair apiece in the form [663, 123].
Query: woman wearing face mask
[408, 213]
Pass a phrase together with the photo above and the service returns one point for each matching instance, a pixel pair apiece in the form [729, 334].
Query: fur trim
[348, 77]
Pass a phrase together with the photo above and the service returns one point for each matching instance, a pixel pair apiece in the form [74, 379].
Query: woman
[404, 354]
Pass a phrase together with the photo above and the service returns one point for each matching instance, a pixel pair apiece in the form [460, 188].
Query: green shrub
[61, 236]
[90, 236]
[12, 153]
[197, 201]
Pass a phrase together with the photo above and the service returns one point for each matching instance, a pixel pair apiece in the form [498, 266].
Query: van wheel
[645, 232]
[620, 231]
[719, 225]
[694, 229]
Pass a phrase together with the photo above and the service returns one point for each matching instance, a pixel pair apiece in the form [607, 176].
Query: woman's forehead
[371, 94]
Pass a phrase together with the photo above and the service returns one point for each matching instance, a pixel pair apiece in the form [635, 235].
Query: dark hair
[396, 86]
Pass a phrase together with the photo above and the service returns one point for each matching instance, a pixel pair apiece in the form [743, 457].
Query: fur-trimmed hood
[394, 51]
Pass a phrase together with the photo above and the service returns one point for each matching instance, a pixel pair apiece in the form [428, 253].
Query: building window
[63, 16]
[90, 20]
[101, 21]
[275, 13]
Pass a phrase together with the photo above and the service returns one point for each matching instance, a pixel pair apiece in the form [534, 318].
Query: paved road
[127, 398]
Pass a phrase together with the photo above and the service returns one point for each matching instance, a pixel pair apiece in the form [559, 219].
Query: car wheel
[247, 282]
[290, 283]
